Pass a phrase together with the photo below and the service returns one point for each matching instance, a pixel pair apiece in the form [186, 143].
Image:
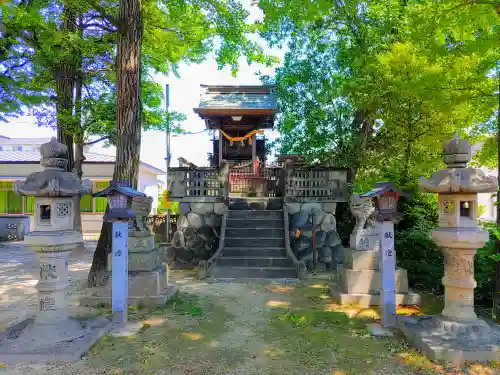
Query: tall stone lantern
[457, 334]
[53, 334]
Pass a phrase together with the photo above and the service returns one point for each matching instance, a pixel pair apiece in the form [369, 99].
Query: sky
[184, 96]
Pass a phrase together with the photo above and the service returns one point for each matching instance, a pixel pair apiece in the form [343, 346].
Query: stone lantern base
[453, 341]
[53, 335]
[68, 341]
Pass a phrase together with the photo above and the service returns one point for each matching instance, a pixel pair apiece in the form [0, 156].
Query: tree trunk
[496, 295]
[128, 117]
[78, 163]
[64, 75]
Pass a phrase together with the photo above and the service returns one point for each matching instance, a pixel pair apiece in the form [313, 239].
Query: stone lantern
[53, 333]
[457, 334]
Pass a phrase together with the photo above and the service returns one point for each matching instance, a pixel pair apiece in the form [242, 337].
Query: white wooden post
[387, 274]
[119, 273]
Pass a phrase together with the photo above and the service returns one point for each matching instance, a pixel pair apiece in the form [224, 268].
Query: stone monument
[359, 279]
[147, 276]
[52, 335]
[457, 334]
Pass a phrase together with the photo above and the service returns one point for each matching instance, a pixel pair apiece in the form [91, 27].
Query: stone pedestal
[147, 276]
[364, 240]
[359, 281]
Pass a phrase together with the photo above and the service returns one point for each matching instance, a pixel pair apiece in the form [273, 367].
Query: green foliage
[416, 252]
[38, 47]
[164, 203]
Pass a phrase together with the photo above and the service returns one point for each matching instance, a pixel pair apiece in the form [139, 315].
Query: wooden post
[119, 275]
[221, 143]
[387, 274]
[254, 149]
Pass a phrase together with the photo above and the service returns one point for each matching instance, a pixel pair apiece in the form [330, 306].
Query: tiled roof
[28, 157]
[238, 100]
[34, 157]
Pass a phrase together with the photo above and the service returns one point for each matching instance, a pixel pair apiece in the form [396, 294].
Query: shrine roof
[382, 188]
[233, 100]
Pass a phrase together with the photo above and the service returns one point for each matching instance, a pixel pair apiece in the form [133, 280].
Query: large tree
[173, 32]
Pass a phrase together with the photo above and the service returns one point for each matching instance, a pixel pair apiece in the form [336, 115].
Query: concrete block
[361, 260]
[368, 281]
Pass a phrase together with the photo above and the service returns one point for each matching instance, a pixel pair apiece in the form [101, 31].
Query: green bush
[416, 252]
[423, 259]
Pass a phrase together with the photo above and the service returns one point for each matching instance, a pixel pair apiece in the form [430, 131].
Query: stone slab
[150, 283]
[130, 329]
[39, 351]
[377, 330]
[361, 260]
[145, 300]
[140, 261]
[366, 300]
[445, 340]
[368, 281]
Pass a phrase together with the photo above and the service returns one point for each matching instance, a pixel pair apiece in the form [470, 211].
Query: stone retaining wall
[197, 235]
[304, 217]
[14, 227]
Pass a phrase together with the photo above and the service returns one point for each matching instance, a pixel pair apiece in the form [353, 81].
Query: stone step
[255, 223]
[253, 252]
[255, 232]
[249, 280]
[255, 203]
[254, 261]
[260, 214]
[254, 242]
[255, 272]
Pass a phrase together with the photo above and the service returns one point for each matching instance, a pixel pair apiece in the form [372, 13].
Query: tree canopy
[376, 86]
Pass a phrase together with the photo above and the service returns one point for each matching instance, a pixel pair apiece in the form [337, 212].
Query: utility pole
[167, 162]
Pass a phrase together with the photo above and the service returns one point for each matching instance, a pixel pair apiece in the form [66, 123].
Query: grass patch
[183, 338]
[324, 338]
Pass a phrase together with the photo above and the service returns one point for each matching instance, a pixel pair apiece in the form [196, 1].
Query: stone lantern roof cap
[54, 180]
[382, 188]
[456, 152]
[121, 188]
[457, 177]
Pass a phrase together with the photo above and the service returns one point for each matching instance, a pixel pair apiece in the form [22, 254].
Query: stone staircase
[254, 247]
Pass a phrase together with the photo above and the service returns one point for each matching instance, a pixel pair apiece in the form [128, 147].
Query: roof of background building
[33, 157]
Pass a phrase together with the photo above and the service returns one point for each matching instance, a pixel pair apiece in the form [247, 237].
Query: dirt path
[230, 329]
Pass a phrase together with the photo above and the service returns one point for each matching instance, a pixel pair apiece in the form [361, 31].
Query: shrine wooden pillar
[254, 154]
[221, 143]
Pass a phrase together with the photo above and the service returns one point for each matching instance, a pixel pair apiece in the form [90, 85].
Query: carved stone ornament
[141, 206]
[54, 181]
[363, 210]
[457, 178]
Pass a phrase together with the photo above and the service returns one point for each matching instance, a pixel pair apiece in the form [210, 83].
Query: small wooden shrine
[238, 116]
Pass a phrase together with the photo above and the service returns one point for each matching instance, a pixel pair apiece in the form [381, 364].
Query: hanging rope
[242, 139]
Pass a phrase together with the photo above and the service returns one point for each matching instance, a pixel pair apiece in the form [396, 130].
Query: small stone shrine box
[457, 334]
[52, 335]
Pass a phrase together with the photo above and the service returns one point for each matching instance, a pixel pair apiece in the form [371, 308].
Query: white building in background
[486, 201]
[20, 157]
